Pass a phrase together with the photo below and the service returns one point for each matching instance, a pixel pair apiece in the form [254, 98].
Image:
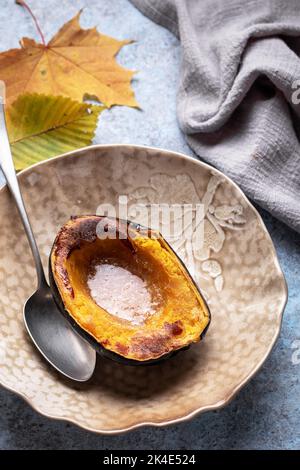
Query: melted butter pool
[121, 293]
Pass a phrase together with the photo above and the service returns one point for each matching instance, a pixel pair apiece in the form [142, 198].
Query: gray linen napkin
[238, 96]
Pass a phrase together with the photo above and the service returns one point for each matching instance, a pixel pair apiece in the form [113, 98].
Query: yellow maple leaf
[78, 63]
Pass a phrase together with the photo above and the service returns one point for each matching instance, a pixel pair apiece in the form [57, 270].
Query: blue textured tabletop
[266, 413]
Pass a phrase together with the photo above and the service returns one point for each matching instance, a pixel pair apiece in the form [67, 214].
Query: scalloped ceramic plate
[237, 270]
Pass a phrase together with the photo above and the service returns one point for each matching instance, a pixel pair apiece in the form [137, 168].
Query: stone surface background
[266, 413]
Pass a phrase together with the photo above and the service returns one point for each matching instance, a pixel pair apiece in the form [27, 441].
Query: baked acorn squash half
[124, 290]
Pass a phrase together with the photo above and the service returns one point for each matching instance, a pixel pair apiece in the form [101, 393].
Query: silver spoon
[51, 333]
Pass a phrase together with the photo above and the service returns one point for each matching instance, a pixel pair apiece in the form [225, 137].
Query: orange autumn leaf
[78, 63]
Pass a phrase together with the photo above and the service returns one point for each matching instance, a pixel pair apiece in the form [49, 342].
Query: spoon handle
[7, 166]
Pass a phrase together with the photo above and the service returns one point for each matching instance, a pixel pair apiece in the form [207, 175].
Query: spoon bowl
[57, 342]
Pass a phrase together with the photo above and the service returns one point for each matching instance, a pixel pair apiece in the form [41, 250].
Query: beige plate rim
[230, 397]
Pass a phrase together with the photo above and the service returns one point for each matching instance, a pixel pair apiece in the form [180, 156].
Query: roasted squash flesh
[133, 296]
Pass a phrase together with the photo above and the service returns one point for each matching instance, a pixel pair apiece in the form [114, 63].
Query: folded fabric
[239, 93]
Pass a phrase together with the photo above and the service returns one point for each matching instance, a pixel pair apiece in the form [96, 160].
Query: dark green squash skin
[100, 349]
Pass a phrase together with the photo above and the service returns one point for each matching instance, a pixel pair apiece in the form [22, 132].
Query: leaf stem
[27, 7]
